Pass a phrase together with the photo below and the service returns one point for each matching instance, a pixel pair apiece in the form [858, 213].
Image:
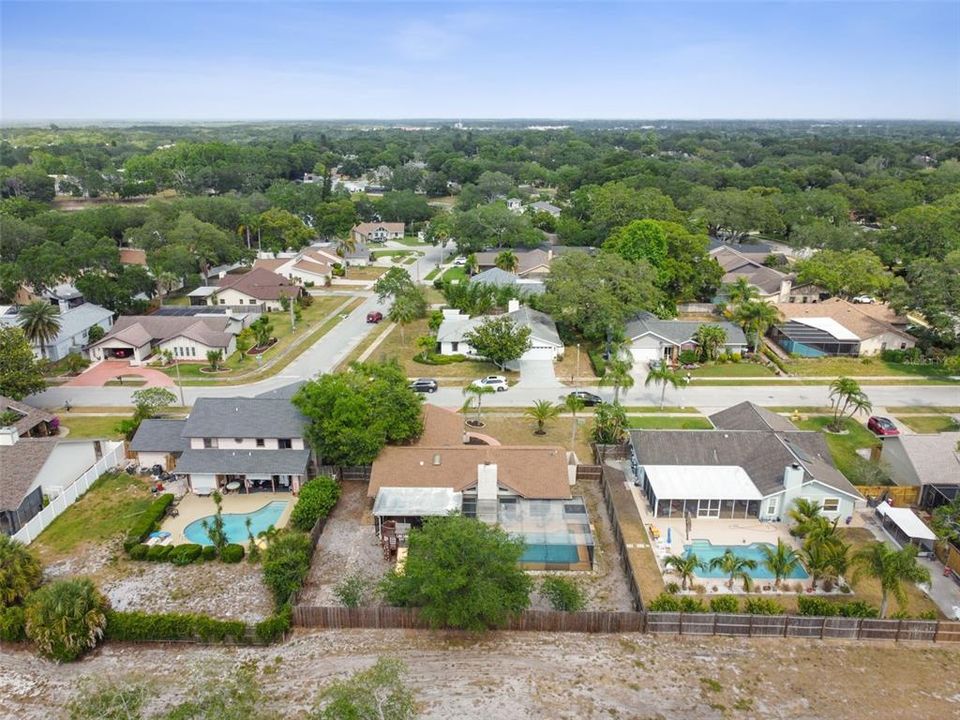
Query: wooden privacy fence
[654, 623]
[589, 472]
[902, 495]
[358, 473]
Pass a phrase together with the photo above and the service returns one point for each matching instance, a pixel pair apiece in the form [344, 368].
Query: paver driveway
[102, 373]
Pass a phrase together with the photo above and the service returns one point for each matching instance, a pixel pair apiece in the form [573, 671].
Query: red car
[374, 317]
[882, 426]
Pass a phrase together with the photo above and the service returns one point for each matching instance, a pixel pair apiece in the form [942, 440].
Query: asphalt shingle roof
[160, 436]
[244, 462]
[680, 331]
[241, 417]
[19, 465]
[747, 416]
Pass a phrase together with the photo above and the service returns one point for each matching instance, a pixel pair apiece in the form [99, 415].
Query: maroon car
[374, 317]
[882, 426]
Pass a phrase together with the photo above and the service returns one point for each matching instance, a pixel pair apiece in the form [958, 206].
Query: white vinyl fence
[111, 459]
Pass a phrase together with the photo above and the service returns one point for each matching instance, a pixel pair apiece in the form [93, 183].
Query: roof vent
[436, 459]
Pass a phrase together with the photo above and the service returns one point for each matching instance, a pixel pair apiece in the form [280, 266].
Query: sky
[579, 60]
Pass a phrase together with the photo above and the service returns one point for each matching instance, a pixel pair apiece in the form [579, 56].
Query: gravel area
[348, 543]
[516, 676]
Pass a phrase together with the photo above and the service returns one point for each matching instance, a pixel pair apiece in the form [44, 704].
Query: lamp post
[179, 384]
[577, 381]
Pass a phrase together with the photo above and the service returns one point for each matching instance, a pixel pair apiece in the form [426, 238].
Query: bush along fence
[654, 623]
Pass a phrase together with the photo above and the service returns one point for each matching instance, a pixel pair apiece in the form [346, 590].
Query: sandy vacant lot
[529, 675]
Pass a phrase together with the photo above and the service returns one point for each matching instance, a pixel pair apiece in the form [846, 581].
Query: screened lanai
[706, 491]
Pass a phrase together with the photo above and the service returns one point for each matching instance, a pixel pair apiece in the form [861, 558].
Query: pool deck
[193, 507]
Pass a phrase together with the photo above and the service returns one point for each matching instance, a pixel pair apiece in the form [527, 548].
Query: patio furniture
[233, 485]
[654, 532]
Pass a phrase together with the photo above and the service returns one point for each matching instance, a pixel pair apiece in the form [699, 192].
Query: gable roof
[542, 327]
[441, 427]
[365, 228]
[863, 324]
[735, 265]
[314, 268]
[542, 206]
[133, 256]
[764, 454]
[748, 416]
[935, 457]
[138, 330]
[242, 417]
[20, 464]
[532, 472]
[679, 331]
[160, 436]
[501, 278]
[245, 462]
[30, 416]
[261, 284]
[527, 260]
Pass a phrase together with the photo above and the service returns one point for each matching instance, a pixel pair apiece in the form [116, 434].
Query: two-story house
[233, 445]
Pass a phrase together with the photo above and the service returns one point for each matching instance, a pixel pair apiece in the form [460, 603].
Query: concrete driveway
[537, 373]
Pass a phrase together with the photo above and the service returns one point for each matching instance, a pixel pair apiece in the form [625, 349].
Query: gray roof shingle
[244, 462]
[19, 465]
[747, 416]
[160, 436]
[679, 331]
[241, 417]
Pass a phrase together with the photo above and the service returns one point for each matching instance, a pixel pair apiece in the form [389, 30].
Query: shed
[904, 526]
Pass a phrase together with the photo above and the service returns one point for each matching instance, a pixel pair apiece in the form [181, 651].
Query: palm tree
[756, 317]
[507, 260]
[734, 567]
[685, 566]
[710, 338]
[574, 405]
[214, 359]
[346, 245]
[477, 391]
[804, 513]
[664, 375]
[618, 376]
[741, 292]
[542, 412]
[892, 568]
[780, 560]
[405, 310]
[20, 571]
[166, 281]
[822, 530]
[825, 559]
[847, 399]
[472, 264]
[40, 323]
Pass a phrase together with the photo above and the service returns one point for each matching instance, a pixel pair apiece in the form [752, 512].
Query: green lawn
[391, 253]
[734, 370]
[413, 241]
[843, 447]
[929, 423]
[860, 367]
[922, 409]
[403, 349]
[316, 317]
[455, 273]
[92, 427]
[669, 423]
[108, 509]
[645, 409]
[432, 274]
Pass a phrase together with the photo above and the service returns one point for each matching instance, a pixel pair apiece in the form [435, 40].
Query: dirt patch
[538, 675]
[348, 543]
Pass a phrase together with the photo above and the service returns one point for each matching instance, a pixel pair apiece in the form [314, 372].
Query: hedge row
[147, 522]
[317, 499]
[822, 607]
[185, 554]
[429, 358]
[597, 361]
[146, 627]
[722, 604]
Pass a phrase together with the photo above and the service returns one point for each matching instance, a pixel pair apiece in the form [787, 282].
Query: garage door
[539, 353]
[644, 356]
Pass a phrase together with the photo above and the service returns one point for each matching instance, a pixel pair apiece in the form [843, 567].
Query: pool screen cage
[556, 532]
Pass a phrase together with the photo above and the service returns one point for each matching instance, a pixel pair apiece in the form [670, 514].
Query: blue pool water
[706, 551]
[550, 554]
[235, 524]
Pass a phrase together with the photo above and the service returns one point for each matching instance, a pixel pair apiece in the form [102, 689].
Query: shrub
[286, 563]
[185, 554]
[763, 606]
[12, 625]
[672, 588]
[816, 606]
[736, 357]
[724, 604]
[432, 358]
[159, 553]
[66, 618]
[232, 553]
[317, 498]
[688, 357]
[563, 593]
[598, 362]
[927, 615]
[274, 627]
[692, 605]
[139, 552]
[775, 359]
[860, 609]
[209, 552]
[664, 603]
[148, 521]
[148, 627]
[20, 571]
[353, 589]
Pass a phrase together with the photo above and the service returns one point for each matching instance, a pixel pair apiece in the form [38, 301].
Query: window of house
[830, 504]
[260, 442]
[207, 443]
[285, 444]
[455, 346]
[772, 506]
[238, 441]
[252, 301]
[222, 301]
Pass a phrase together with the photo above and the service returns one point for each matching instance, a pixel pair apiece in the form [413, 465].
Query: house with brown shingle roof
[138, 337]
[377, 232]
[530, 263]
[838, 327]
[308, 267]
[259, 286]
[771, 284]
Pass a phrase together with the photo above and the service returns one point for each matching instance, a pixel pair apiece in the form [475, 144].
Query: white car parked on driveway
[497, 382]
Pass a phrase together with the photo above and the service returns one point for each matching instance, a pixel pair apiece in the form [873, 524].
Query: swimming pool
[707, 551]
[550, 554]
[235, 524]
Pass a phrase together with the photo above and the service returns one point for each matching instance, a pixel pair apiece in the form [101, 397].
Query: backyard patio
[263, 507]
